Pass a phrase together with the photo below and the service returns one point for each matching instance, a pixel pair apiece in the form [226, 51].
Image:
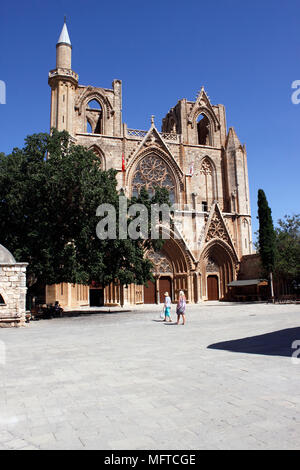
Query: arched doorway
[218, 264]
[171, 270]
[212, 287]
[163, 272]
[149, 293]
[165, 285]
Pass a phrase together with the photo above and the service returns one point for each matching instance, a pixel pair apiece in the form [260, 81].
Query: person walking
[167, 307]
[180, 310]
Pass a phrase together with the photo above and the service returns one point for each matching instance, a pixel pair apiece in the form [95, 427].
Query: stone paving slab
[127, 380]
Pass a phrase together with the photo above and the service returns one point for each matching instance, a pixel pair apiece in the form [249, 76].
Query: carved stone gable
[217, 229]
[152, 140]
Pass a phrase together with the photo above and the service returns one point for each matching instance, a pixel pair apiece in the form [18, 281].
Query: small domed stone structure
[12, 290]
[6, 256]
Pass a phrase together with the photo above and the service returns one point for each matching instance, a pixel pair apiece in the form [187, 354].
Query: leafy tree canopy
[287, 264]
[49, 193]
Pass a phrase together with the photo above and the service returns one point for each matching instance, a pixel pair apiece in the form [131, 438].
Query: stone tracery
[211, 265]
[161, 264]
[206, 168]
[152, 171]
[217, 229]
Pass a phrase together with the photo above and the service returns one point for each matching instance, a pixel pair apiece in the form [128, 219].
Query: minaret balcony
[63, 73]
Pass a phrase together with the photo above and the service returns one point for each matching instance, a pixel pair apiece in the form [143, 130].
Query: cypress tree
[267, 238]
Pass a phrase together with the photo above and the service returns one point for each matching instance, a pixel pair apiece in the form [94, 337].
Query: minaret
[63, 82]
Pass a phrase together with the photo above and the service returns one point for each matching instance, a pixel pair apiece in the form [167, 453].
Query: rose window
[151, 172]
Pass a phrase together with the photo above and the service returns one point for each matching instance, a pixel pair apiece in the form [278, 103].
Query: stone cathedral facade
[201, 163]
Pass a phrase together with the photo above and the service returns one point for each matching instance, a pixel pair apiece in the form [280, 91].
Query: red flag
[123, 162]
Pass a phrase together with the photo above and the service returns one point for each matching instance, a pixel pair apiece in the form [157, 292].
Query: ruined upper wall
[199, 122]
[107, 118]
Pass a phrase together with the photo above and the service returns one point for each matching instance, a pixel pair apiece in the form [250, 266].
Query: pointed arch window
[207, 182]
[1, 300]
[206, 167]
[173, 126]
[94, 114]
[203, 130]
[150, 172]
[100, 159]
[246, 234]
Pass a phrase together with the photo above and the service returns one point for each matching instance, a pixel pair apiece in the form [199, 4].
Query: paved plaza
[126, 380]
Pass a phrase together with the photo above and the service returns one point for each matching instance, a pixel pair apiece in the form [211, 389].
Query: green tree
[287, 264]
[49, 193]
[266, 237]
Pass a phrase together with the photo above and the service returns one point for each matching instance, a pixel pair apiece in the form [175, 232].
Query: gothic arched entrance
[218, 263]
[171, 270]
[163, 274]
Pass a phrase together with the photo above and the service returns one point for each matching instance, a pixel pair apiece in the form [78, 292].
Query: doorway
[149, 293]
[165, 285]
[96, 297]
[212, 288]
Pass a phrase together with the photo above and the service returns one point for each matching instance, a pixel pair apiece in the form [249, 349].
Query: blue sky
[246, 54]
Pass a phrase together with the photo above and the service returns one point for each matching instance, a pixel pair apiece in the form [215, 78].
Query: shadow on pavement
[76, 313]
[277, 343]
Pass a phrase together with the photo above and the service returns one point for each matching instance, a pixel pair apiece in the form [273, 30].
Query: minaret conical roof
[64, 36]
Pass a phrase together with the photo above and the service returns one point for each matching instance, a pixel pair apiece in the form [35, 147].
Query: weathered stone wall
[250, 267]
[13, 290]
